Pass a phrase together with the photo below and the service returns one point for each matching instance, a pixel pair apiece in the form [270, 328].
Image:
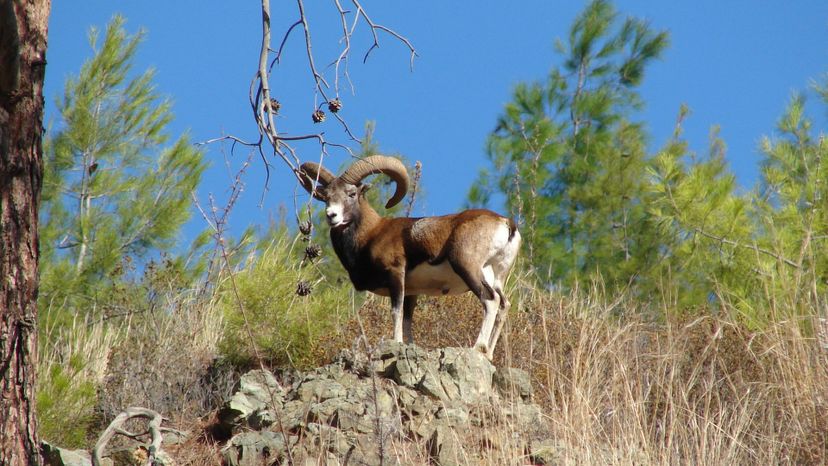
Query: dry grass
[166, 362]
[69, 368]
[617, 389]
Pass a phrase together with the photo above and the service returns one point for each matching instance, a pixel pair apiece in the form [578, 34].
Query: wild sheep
[404, 257]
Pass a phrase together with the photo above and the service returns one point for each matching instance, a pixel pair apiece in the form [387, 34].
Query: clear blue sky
[735, 63]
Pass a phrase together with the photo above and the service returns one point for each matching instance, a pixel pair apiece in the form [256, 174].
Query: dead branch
[116, 428]
[264, 106]
[415, 187]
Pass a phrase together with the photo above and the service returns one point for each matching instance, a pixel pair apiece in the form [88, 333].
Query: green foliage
[266, 316]
[762, 251]
[115, 192]
[671, 227]
[65, 405]
[70, 368]
[570, 161]
[700, 215]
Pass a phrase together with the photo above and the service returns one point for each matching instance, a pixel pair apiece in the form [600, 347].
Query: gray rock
[318, 390]
[258, 392]
[447, 374]
[547, 451]
[352, 417]
[470, 372]
[454, 415]
[445, 448]
[56, 456]
[409, 365]
[254, 449]
[366, 452]
[370, 407]
[513, 383]
[331, 439]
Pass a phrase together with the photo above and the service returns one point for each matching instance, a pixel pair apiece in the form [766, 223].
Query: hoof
[483, 348]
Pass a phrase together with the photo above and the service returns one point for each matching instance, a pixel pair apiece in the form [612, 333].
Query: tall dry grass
[71, 364]
[91, 370]
[617, 388]
[700, 391]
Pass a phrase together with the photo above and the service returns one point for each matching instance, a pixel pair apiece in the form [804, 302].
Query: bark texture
[23, 33]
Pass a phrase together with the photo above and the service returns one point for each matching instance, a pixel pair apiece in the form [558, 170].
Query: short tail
[512, 229]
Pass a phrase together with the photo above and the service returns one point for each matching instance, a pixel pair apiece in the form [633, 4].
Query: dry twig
[261, 95]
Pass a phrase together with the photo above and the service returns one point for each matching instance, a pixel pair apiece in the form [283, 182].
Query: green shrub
[267, 318]
[72, 364]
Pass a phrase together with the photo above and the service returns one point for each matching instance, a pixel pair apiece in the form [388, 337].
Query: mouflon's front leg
[397, 292]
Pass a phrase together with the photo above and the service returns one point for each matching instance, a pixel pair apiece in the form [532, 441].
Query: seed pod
[318, 116]
[312, 251]
[335, 105]
[303, 288]
[275, 105]
[306, 227]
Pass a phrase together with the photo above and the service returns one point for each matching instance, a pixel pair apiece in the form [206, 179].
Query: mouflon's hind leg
[481, 282]
[502, 314]
[409, 304]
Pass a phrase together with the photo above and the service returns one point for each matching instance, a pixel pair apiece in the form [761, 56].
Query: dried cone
[303, 288]
[318, 116]
[306, 227]
[275, 105]
[313, 251]
[335, 105]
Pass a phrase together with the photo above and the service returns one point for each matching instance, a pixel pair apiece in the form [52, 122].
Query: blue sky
[735, 64]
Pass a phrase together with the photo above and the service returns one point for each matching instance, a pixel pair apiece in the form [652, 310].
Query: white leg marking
[482, 343]
[502, 313]
[491, 307]
[396, 312]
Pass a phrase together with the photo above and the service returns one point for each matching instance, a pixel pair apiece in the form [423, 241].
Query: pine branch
[753, 247]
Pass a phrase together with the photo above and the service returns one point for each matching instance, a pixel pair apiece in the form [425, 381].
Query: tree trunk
[23, 33]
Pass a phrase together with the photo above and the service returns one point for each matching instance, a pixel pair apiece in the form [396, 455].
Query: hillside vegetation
[662, 314]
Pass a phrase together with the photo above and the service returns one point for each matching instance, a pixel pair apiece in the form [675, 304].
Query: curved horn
[379, 164]
[309, 172]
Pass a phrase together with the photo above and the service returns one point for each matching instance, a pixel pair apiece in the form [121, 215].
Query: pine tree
[791, 211]
[570, 160]
[23, 35]
[761, 252]
[116, 193]
[703, 223]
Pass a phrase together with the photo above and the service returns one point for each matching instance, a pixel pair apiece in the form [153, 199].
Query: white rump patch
[503, 252]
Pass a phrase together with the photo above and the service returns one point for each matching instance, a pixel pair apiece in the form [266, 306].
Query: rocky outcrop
[400, 404]
[56, 456]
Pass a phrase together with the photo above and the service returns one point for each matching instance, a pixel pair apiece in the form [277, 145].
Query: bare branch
[264, 107]
[115, 427]
[415, 187]
[343, 56]
[278, 58]
[753, 247]
[375, 27]
[228, 138]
